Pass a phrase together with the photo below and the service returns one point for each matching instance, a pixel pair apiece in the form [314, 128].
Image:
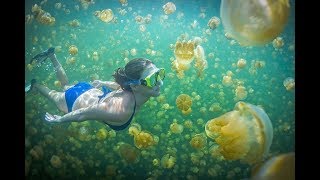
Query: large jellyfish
[242, 134]
[279, 167]
[254, 22]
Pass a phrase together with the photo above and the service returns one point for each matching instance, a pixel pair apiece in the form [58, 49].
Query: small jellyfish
[74, 23]
[133, 51]
[184, 102]
[227, 80]
[201, 63]
[198, 141]
[214, 22]
[169, 8]
[73, 50]
[289, 83]
[143, 140]
[168, 161]
[55, 161]
[102, 134]
[128, 153]
[254, 22]
[278, 42]
[105, 15]
[124, 2]
[176, 128]
[134, 129]
[245, 133]
[241, 63]
[240, 93]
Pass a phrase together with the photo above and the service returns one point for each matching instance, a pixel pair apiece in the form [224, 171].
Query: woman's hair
[132, 71]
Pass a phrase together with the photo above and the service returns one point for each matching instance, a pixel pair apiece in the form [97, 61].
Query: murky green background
[83, 155]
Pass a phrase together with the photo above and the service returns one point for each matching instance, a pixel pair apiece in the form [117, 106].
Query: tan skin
[115, 108]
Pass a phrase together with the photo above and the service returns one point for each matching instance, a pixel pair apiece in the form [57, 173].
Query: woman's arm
[109, 84]
[74, 116]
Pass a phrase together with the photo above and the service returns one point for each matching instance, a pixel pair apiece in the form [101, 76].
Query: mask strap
[135, 82]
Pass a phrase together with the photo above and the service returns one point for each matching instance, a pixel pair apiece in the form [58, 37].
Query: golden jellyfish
[156, 162]
[105, 15]
[241, 63]
[242, 134]
[142, 28]
[227, 80]
[176, 128]
[133, 51]
[201, 62]
[36, 152]
[134, 129]
[188, 124]
[168, 161]
[143, 140]
[55, 161]
[147, 19]
[169, 8]
[139, 19]
[198, 141]
[102, 134]
[123, 2]
[42, 16]
[184, 103]
[73, 50]
[278, 42]
[240, 93]
[128, 153]
[184, 51]
[74, 23]
[289, 83]
[179, 68]
[276, 168]
[254, 22]
[214, 22]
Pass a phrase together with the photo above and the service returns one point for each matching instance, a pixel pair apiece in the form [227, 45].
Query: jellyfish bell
[184, 103]
[105, 15]
[254, 22]
[213, 22]
[168, 161]
[144, 140]
[242, 134]
[128, 153]
[198, 141]
[184, 51]
[289, 83]
[279, 167]
[169, 8]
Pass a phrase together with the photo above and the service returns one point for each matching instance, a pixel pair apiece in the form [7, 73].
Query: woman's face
[153, 91]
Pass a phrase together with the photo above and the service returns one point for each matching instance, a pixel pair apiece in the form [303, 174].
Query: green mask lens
[152, 79]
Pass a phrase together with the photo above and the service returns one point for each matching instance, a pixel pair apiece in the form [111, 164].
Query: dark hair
[132, 71]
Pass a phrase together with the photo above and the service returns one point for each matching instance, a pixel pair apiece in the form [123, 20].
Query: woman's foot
[29, 88]
[39, 58]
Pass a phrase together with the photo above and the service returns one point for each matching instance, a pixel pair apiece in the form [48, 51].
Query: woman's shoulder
[123, 95]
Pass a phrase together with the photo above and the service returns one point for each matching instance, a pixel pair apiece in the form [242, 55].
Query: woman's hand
[52, 118]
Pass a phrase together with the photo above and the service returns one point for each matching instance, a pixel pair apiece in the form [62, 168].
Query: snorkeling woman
[112, 103]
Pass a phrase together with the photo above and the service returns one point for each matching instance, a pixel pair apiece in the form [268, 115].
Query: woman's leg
[61, 74]
[57, 97]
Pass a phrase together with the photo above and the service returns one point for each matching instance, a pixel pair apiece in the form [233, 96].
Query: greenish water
[83, 156]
